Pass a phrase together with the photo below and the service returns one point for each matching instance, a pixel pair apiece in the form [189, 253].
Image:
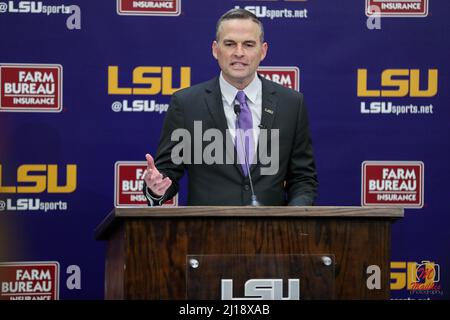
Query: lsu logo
[286, 76]
[30, 87]
[262, 289]
[399, 83]
[38, 178]
[423, 276]
[149, 7]
[129, 185]
[160, 83]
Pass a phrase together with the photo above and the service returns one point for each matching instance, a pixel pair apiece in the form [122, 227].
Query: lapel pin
[268, 110]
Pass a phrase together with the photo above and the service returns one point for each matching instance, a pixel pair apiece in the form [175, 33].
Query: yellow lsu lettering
[47, 180]
[409, 277]
[409, 82]
[398, 279]
[157, 84]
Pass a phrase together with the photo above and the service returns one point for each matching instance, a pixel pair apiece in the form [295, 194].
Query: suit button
[246, 187]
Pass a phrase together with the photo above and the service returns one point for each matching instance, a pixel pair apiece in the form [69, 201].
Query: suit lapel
[269, 104]
[215, 107]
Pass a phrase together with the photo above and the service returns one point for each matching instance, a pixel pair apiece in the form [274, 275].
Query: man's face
[239, 51]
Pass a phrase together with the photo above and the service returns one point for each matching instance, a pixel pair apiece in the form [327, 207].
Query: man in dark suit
[238, 98]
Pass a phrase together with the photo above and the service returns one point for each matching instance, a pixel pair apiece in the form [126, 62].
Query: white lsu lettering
[263, 289]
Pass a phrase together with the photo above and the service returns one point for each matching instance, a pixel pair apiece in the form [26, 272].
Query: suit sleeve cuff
[153, 201]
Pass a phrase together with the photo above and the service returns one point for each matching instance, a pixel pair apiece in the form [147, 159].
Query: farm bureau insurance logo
[397, 8]
[401, 87]
[149, 7]
[36, 179]
[286, 76]
[417, 277]
[128, 185]
[393, 183]
[29, 280]
[31, 87]
[146, 81]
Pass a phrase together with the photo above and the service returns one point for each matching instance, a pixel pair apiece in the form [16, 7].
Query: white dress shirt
[253, 93]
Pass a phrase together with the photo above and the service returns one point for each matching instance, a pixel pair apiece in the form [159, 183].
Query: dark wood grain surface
[108, 223]
[156, 247]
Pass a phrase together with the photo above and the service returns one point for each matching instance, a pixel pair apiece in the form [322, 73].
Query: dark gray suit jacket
[224, 184]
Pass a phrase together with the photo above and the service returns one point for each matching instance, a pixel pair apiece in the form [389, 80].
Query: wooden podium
[150, 251]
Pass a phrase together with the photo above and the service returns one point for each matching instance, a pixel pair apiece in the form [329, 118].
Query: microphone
[254, 202]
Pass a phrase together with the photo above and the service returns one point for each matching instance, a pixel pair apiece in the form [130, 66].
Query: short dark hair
[240, 14]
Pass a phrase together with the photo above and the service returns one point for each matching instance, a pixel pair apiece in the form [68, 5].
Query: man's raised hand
[154, 179]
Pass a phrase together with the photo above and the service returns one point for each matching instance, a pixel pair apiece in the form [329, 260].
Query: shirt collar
[229, 92]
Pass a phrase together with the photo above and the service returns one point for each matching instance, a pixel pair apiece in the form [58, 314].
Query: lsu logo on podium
[149, 7]
[286, 76]
[161, 81]
[399, 83]
[31, 87]
[128, 185]
[262, 289]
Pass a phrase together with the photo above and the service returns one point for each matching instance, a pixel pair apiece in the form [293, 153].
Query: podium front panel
[260, 277]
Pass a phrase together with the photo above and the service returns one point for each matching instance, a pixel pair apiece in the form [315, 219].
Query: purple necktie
[244, 135]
